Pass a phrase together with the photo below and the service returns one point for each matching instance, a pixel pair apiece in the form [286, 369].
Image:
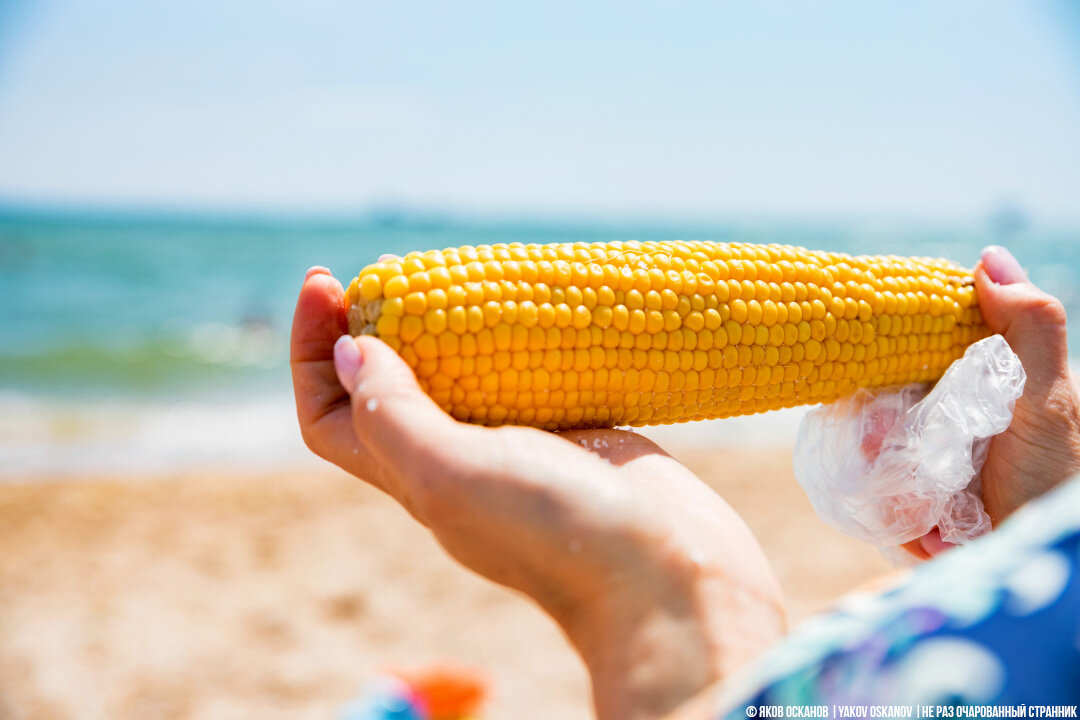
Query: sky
[920, 109]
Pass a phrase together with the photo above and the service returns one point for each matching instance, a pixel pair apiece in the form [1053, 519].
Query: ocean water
[144, 342]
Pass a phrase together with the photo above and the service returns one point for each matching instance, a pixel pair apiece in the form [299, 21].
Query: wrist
[655, 644]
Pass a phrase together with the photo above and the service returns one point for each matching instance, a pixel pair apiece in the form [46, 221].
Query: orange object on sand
[449, 692]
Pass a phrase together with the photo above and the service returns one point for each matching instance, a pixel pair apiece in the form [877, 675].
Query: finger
[915, 549]
[928, 546]
[322, 405]
[392, 416]
[1001, 266]
[388, 256]
[319, 319]
[933, 543]
[1041, 447]
[1032, 321]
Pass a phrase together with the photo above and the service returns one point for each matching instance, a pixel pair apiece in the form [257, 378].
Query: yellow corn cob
[640, 333]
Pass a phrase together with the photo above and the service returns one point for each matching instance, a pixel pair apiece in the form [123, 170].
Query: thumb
[392, 416]
[1031, 320]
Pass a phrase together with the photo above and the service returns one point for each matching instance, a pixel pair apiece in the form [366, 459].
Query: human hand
[654, 579]
[1041, 447]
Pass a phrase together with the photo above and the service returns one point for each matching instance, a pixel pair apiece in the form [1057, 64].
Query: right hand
[1041, 448]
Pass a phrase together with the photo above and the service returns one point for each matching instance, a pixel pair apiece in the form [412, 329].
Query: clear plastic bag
[886, 467]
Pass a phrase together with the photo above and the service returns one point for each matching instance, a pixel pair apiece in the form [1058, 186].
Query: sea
[150, 343]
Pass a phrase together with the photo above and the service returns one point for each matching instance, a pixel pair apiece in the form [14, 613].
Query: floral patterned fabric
[995, 622]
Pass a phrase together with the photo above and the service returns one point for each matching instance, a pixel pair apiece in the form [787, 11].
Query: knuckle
[311, 439]
[305, 435]
[1044, 309]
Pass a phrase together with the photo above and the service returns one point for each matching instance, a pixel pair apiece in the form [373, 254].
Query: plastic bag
[886, 467]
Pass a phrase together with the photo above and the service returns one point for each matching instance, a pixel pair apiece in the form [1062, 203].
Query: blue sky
[918, 109]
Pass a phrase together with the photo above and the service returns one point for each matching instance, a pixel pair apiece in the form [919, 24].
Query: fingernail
[388, 256]
[316, 270]
[347, 361]
[1001, 266]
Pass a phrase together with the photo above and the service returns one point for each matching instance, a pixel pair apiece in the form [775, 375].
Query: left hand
[655, 580]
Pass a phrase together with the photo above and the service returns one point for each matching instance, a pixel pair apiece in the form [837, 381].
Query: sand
[274, 595]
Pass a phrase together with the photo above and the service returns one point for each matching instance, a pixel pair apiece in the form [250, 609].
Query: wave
[59, 438]
[43, 438]
[178, 355]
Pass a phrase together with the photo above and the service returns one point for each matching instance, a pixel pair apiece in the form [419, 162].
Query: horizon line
[413, 214]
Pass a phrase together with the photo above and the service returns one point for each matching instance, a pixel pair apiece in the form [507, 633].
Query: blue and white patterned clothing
[996, 622]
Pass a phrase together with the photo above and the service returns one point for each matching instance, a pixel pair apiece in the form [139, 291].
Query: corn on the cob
[638, 333]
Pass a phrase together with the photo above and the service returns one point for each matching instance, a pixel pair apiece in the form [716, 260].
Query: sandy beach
[268, 595]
